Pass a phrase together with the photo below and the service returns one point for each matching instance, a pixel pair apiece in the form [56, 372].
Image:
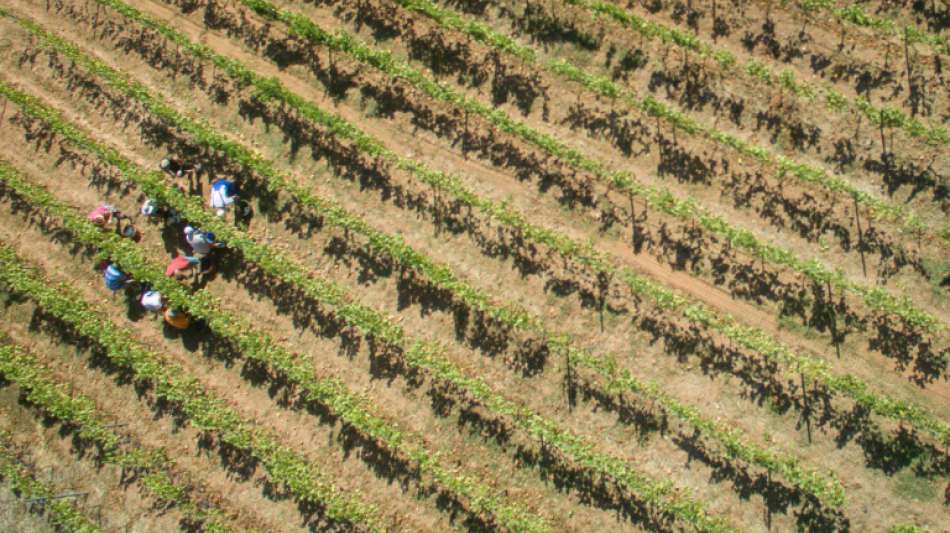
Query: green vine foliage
[150, 465]
[272, 90]
[933, 135]
[856, 14]
[824, 487]
[331, 393]
[586, 256]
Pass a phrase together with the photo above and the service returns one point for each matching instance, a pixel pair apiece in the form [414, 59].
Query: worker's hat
[149, 208]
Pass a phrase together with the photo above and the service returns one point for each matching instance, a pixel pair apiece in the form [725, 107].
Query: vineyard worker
[201, 242]
[152, 301]
[223, 194]
[103, 215]
[152, 209]
[181, 266]
[178, 168]
[114, 278]
[177, 319]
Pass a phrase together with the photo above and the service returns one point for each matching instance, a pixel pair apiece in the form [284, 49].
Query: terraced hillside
[561, 265]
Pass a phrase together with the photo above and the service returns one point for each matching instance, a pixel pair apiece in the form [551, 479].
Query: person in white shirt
[153, 210]
[223, 194]
[201, 242]
[152, 301]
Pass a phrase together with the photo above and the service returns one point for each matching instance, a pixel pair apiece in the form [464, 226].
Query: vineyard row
[876, 207]
[271, 90]
[150, 467]
[265, 91]
[833, 100]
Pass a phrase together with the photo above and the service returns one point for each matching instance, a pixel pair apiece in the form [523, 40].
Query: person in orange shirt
[177, 319]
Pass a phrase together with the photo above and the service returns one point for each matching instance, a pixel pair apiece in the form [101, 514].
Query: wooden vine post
[435, 210]
[569, 380]
[332, 71]
[910, 78]
[806, 407]
[467, 137]
[834, 319]
[633, 219]
[603, 280]
[857, 220]
[883, 121]
[715, 34]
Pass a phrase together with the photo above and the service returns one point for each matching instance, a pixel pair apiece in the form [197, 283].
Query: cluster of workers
[202, 243]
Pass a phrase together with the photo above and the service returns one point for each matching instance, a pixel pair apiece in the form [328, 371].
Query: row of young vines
[808, 91]
[150, 467]
[171, 383]
[514, 316]
[876, 208]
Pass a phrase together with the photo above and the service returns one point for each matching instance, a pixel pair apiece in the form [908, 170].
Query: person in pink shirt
[103, 215]
[182, 266]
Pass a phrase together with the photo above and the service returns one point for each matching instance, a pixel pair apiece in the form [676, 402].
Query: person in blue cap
[114, 278]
